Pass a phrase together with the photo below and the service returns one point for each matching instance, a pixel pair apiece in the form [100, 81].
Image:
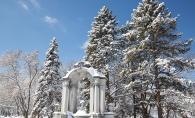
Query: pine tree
[154, 59]
[49, 88]
[101, 50]
[117, 81]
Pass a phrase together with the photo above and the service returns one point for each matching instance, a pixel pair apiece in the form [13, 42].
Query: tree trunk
[158, 99]
[134, 102]
[144, 113]
[144, 109]
[155, 67]
[108, 90]
[134, 108]
[25, 114]
[168, 113]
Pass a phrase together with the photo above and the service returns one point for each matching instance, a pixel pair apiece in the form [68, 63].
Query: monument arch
[70, 82]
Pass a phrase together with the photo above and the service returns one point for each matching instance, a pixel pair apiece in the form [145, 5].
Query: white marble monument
[70, 82]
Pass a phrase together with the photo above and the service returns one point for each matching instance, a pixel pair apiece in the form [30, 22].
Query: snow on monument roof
[84, 66]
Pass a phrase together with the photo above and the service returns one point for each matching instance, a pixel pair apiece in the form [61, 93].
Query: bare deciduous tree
[20, 73]
[67, 67]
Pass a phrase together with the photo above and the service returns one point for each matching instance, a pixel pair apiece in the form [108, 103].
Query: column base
[97, 116]
[108, 115]
[64, 115]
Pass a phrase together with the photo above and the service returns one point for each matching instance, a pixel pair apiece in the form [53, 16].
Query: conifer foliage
[101, 40]
[156, 67]
[49, 89]
[101, 50]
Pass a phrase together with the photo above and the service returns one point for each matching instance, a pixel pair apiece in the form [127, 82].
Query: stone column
[96, 99]
[65, 95]
[73, 104]
[70, 96]
[91, 97]
[102, 95]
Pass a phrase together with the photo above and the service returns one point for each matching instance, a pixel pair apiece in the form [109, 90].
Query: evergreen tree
[49, 88]
[117, 81]
[155, 65]
[101, 50]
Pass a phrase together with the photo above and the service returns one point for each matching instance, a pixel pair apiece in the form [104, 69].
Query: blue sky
[31, 24]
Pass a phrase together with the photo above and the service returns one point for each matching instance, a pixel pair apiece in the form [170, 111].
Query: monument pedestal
[81, 113]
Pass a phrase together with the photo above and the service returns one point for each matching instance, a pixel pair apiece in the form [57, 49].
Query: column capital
[91, 84]
[65, 84]
[97, 82]
[102, 82]
[73, 85]
[92, 81]
[65, 79]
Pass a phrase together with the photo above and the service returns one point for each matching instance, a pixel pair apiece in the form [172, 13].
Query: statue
[82, 102]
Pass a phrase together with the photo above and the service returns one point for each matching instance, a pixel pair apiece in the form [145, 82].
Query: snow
[15, 117]
[81, 113]
[93, 72]
[12, 117]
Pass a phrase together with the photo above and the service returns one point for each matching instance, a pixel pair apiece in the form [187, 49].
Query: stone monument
[70, 82]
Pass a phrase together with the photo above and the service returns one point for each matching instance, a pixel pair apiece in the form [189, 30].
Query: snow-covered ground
[12, 117]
